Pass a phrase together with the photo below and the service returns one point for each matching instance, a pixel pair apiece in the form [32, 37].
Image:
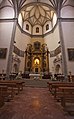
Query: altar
[35, 76]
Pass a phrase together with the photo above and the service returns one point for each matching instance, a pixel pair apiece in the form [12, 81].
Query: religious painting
[71, 54]
[3, 52]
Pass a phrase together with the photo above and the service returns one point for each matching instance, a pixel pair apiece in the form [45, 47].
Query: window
[27, 27]
[47, 27]
[37, 29]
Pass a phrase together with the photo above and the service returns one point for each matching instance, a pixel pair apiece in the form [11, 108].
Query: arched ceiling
[19, 4]
[37, 13]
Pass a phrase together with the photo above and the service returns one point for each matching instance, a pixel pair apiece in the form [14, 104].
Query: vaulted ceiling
[17, 5]
[36, 12]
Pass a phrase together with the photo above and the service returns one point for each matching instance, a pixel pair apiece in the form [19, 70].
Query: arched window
[47, 27]
[37, 29]
[27, 27]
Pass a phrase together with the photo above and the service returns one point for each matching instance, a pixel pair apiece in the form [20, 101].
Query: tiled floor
[33, 103]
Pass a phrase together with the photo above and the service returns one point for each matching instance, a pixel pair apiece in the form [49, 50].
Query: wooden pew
[58, 92]
[67, 98]
[50, 84]
[8, 89]
[1, 101]
[16, 85]
[51, 87]
[64, 92]
[3, 95]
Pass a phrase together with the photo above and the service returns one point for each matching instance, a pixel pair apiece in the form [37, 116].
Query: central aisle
[33, 103]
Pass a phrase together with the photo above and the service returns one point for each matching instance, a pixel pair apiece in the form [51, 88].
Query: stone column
[64, 63]
[9, 63]
[25, 60]
[48, 60]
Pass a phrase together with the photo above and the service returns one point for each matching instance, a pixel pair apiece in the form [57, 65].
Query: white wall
[68, 35]
[21, 42]
[5, 39]
[52, 43]
[6, 13]
[6, 28]
[67, 12]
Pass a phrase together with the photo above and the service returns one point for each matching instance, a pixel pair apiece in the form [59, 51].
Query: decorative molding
[18, 51]
[66, 19]
[43, 35]
[8, 20]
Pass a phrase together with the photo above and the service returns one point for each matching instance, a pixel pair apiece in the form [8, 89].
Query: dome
[37, 15]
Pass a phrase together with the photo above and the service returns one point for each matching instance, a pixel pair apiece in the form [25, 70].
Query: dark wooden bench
[56, 91]
[8, 88]
[53, 87]
[50, 84]
[3, 95]
[14, 85]
[67, 99]
[63, 92]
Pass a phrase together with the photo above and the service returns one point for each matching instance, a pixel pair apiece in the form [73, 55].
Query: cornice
[8, 20]
[66, 19]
